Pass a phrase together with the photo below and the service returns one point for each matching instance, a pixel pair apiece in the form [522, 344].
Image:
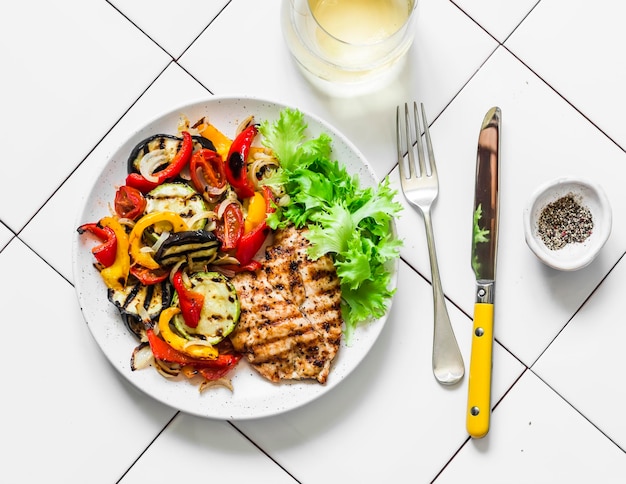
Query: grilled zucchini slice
[180, 198]
[219, 314]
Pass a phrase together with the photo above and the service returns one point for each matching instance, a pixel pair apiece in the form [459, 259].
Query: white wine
[348, 47]
[361, 22]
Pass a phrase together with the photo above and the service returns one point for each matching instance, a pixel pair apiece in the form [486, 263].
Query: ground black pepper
[563, 222]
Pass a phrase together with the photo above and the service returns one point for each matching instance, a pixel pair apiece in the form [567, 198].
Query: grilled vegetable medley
[196, 208]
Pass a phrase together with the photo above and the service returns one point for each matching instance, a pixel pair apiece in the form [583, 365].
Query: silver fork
[420, 186]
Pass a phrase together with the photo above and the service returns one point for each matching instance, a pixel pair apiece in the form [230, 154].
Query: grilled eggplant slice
[166, 142]
[142, 301]
[135, 326]
[219, 314]
[197, 246]
[180, 198]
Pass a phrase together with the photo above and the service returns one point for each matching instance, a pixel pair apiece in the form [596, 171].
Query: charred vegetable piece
[219, 314]
[179, 198]
[153, 299]
[160, 165]
[135, 326]
[236, 162]
[167, 142]
[197, 245]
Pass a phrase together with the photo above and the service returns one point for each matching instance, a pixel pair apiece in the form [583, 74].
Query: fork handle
[447, 361]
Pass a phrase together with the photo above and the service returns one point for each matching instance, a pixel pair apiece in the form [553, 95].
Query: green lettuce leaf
[351, 223]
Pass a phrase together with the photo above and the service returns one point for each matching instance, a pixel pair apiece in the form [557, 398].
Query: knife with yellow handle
[484, 252]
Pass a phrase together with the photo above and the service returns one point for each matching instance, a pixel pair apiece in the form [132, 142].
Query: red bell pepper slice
[252, 266]
[191, 302]
[162, 351]
[147, 276]
[207, 172]
[105, 252]
[235, 167]
[269, 199]
[182, 157]
[129, 202]
[251, 242]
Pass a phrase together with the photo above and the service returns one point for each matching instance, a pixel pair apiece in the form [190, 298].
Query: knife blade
[484, 255]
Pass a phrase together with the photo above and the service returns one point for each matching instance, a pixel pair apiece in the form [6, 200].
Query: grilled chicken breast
[290, 322]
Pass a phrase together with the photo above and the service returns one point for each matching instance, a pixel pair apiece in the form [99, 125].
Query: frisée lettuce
[350, 223]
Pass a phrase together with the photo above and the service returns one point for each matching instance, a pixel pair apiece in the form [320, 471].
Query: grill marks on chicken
[290, 322]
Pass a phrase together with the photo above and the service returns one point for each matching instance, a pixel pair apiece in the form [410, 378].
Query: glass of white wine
[349, 47]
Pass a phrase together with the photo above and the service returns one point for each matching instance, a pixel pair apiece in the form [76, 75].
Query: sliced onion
[222, 382]
[175, 269]
[143, 313]
[231, 198]
[210, 192]
[166, 369]
[127, 222]
[185, 278]
[244, 124]
[142, 357]
[228, 273]
[183, 123]
[150, 162]
[225, 259]
[209, 215]
[164, 235]
[196, 342]
[147, 249]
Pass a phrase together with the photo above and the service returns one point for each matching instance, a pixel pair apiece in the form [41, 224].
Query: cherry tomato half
[149, 276]
[229, 229]
[207, 172]
[129, 202]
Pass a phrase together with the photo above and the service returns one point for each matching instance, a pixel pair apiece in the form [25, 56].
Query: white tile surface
[497, 17]
[580, 58]
[5, 235]
[79, 77]
[584, 365]
[63, 402]
[171, 25]
[191, 443]
[537, 437]
[75, 67]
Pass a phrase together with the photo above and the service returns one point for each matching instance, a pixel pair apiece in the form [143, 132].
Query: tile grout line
[148, 446]
[579, 412]
[262, 451]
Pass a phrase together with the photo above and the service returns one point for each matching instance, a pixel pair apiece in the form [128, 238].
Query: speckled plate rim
[253, 396]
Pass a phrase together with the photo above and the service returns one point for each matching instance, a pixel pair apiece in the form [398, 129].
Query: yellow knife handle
[479, 391]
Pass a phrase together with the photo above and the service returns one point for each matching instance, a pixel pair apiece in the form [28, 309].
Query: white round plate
[253, 396]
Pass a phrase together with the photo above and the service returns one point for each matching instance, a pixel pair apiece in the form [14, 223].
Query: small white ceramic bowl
[573, 255]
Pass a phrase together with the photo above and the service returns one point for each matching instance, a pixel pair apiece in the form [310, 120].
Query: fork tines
[412, 134]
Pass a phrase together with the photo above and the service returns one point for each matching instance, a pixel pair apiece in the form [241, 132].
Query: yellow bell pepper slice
[145, 259]
[256, 212]
[220, 140]
[116, 275]
[178, 342]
